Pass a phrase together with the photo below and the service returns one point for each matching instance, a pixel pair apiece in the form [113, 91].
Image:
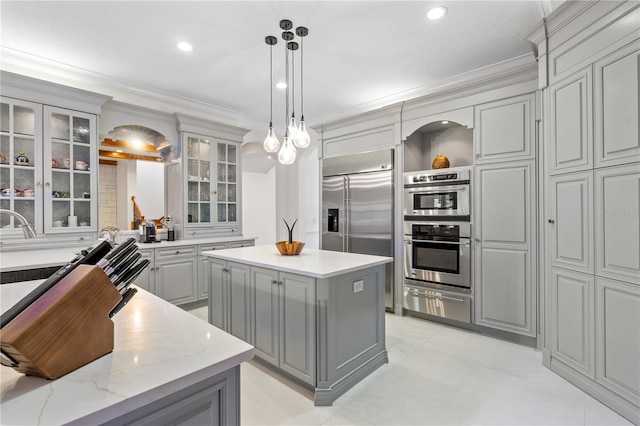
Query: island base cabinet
[284, 321]
[229, 297]
[215, 401]
[351, 330]
[176, 280]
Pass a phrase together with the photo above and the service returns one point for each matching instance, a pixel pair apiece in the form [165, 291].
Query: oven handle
[429, 296]
[435, 189]
[461, 243]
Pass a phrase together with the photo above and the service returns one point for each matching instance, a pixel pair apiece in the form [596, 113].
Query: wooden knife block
[66, 328]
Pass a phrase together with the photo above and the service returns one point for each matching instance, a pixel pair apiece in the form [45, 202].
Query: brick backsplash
[107, 209]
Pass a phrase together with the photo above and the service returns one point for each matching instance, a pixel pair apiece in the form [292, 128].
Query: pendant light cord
[271, 85]
[286, 71]
[293, 84]
[302, 78]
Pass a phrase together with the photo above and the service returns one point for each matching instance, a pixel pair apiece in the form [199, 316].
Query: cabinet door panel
[297, 339]
[617, 224]
[503, 198]
[239, 303]
[572, 320]
[504, 129]
[618, 337]
[617, 85]
[146, 279]
[265, 296]
[504, 296]
[176, 280]
[218, 290]
[571, 210]
[570, 130]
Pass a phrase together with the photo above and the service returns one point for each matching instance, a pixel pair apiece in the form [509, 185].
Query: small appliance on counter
[149, 232]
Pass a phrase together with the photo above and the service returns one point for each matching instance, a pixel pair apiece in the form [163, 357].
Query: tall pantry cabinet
[504, 216]
[592, 182]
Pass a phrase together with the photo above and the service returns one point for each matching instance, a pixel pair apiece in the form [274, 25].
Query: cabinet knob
[280, 282]
[225, 270]
[551, 221]
[274, 281]
[177, 251]
[47, 184]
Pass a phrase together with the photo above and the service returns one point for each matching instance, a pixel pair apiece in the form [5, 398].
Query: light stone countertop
[311, 262]
[43, 258]
[159, 349]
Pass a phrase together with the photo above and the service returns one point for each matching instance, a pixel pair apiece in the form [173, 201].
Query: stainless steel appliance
[438, 194]
[357, 207]
[437, 243]
[438, 254]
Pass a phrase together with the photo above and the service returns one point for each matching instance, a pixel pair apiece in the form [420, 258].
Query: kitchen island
[167, 366]
[317, 318]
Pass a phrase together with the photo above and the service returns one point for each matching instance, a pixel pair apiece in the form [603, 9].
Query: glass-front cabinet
[47, 167]
[20, 155]
[212, 173]
[70, 178]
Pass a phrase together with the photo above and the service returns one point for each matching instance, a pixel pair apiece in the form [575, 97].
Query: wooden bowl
[290, 249]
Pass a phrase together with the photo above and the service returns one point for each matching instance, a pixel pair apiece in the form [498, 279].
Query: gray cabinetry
[229, 297]
[616, 124]
[617, 200]
[176, 273]
[505, 276]
[570, 124]
[571, 221]
[284, 321]
[146, 279]
[572, 319]
[203, 268]
[504, 129]
[618, 337]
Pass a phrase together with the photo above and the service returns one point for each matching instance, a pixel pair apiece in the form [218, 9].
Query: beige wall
[107, 210]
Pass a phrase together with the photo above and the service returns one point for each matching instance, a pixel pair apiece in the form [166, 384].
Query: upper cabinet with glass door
[20, 155]
[211, 181]
[70, 170]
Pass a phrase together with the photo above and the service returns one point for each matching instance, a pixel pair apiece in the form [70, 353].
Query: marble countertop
[43, 258]
[311, 262]
[159, 349]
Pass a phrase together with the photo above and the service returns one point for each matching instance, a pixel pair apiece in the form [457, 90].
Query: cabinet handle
[47, 184]
[274, 281]
[225, 270]
[551, 221]
[280, 283]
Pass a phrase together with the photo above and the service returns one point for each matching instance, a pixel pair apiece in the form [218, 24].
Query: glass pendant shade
[287, 154]
[302, 138]
[271, 142]
[293, 128]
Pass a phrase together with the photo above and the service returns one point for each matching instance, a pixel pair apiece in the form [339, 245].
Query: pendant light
[295, 135]
[287, 154]
[302, 138]
[271, 143]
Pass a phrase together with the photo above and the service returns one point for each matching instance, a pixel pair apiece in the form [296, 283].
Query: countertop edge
[254, 262]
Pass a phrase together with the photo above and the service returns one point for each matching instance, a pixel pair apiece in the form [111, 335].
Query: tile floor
[437, 375]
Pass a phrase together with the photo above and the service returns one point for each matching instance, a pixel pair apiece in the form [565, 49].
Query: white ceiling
[358, 56]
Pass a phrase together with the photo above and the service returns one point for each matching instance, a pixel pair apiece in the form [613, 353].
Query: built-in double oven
[437, 243]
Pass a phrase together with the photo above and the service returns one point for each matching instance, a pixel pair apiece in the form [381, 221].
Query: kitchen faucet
[27, 229]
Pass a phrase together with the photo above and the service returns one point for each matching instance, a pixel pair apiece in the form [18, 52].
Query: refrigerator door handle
[347, 215]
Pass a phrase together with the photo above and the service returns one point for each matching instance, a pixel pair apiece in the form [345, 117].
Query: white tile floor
[437, 375]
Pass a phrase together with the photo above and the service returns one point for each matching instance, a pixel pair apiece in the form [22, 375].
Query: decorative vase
[440, 162]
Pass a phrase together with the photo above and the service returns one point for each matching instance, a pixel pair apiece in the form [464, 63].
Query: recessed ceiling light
[444, 122]
[185, 47]
[281, 85]
[436, 12]
[118, 150]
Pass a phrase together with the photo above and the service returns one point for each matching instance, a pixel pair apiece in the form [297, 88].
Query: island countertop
[159, 349]
[311, 262]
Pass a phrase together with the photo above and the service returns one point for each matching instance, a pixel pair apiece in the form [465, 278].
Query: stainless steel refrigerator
[357, 208]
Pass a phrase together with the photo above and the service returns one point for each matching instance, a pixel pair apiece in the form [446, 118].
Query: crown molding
[60, 73]
[524, 65]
